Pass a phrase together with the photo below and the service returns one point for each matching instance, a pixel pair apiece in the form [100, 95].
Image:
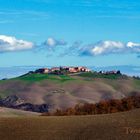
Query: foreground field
[117, 126]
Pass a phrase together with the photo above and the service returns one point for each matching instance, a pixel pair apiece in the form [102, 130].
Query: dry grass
[98, 127]
[8, 112]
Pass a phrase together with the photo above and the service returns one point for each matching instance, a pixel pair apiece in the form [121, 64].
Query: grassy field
[40, 77]
[118, 126]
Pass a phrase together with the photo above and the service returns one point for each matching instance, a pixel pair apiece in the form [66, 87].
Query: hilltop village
[62, 70]
[69, 70]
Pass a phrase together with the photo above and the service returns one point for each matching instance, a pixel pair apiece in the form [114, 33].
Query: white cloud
[8, 44]
[52, 42]
[131, 44]
[108, 47]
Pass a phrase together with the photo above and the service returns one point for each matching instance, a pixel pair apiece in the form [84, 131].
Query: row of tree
[103, 107]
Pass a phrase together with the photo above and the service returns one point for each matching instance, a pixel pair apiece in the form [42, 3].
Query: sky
[69, 32]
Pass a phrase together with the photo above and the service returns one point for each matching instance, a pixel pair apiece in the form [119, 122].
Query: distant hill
[48, 92]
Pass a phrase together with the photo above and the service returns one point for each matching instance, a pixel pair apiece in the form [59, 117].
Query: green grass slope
[40, 77]
[117, 126]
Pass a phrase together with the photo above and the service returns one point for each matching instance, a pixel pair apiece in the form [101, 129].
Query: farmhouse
[77, 69]
[73, 69]
[84, 69]
[55, 69]
[42, 70]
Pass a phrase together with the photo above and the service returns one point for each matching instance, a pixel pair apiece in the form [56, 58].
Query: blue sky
[69, 32]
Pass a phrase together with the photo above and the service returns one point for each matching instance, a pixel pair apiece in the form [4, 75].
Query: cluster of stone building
[62, 70]
[69, 70]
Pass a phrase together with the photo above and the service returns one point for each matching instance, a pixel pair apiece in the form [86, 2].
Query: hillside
[48, 92]
[116, 126]
[8, 112]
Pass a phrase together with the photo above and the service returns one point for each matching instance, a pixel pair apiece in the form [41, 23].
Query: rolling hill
[48, 92]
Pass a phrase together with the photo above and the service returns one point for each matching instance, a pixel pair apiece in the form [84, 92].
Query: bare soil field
[117, 126]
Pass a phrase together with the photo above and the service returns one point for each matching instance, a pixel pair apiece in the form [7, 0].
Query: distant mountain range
[10, 72]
